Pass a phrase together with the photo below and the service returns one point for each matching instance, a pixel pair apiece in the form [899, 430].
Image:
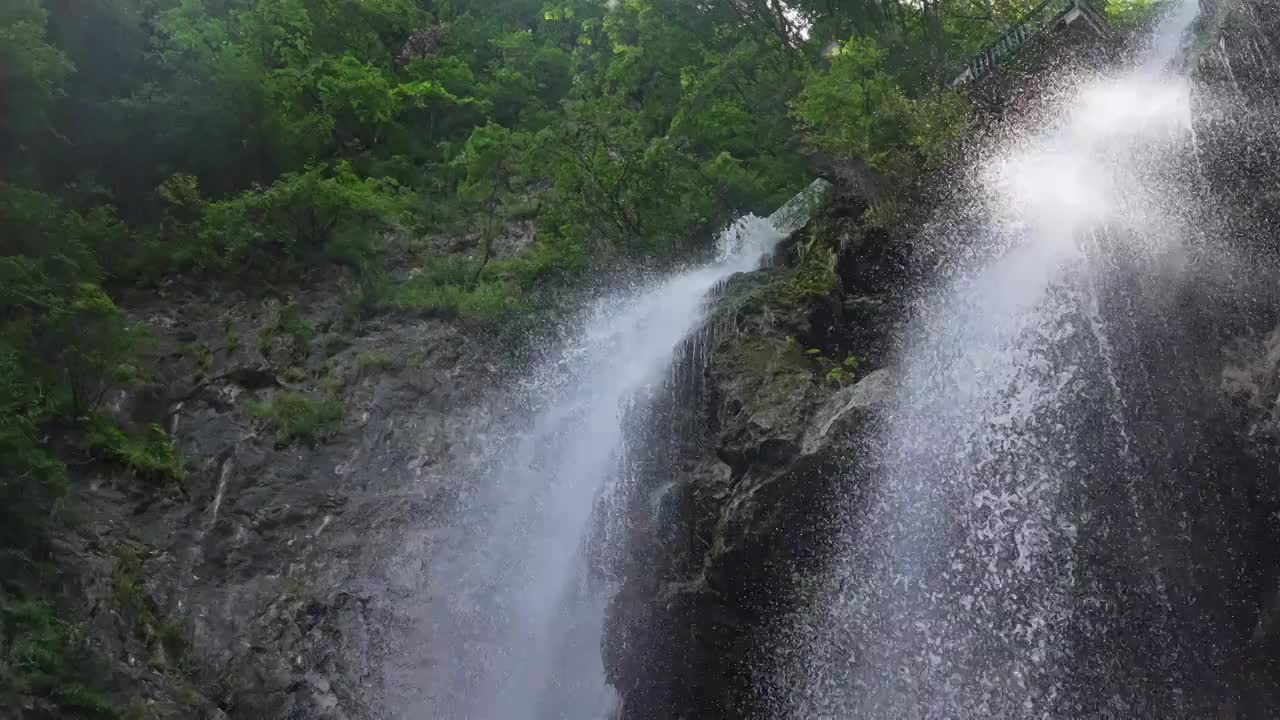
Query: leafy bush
[32, 73]
[856, 108]
[489, 301]
[126, 582]
[375, 361]
[307, 215]
[615, 189]
[70, 336]
[845, 372]
[368, 298]
[174, 638]
[814, 275]
[485, 301]
[292, 329]
[87, 345]
[299, 417]
[63, 345]
[39, 241]
[551, 257]
[49, 660]
[151, 458]
[34, 479]
[182, 199]
[449, 286]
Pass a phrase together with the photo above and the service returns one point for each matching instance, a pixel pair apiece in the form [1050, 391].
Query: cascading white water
[967, 585]
[511, 613]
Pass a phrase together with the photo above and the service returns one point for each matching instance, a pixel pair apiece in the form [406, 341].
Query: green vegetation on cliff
[297, 417]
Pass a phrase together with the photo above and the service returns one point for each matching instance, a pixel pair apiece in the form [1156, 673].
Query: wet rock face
[273, 560]
[1173, 563]
[1242, 526]
[1237, 102]
[1223, 362]
[763, 435]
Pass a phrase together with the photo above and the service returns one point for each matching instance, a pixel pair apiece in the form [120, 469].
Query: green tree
[34, 478]
[491, 160]
[319, 212]
[32, 73]
[856, 109]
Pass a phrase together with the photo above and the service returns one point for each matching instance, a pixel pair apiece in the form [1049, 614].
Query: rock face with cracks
[310, 448]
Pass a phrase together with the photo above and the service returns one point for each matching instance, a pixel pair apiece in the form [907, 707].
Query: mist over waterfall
[518, 631]
[1003, 562]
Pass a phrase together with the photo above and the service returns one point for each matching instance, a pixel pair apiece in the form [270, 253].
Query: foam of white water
[958, 592]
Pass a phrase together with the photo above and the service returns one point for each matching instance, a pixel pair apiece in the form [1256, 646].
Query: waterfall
[1003, 567]
[508, 619]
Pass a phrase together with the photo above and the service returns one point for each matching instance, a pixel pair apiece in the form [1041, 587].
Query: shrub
[321, 212]
[299, 417]
[293, 328]
[369, 297]
[375, 361]
[815, 274]
[126, 582]
[89, 344]
[551, 257]
[36, 227]
[33, 479]
[173, 637]
[73, 341]
[48, 658]
[485, 301]
[844, 373]
[856, 108]
[151, 458]
[65, 334]
[454, 286]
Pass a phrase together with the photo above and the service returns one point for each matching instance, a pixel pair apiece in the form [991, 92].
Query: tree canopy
[651, 120]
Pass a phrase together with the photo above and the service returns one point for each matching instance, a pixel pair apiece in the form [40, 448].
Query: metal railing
[1042, 18]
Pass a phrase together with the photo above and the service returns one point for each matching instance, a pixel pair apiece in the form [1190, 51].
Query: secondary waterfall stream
[1001, 566]
[516, 612]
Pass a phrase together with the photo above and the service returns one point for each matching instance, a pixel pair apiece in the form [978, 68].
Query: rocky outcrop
[778, 419]
[268, 565]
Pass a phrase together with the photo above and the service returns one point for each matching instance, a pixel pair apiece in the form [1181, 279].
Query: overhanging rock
[798, 210]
